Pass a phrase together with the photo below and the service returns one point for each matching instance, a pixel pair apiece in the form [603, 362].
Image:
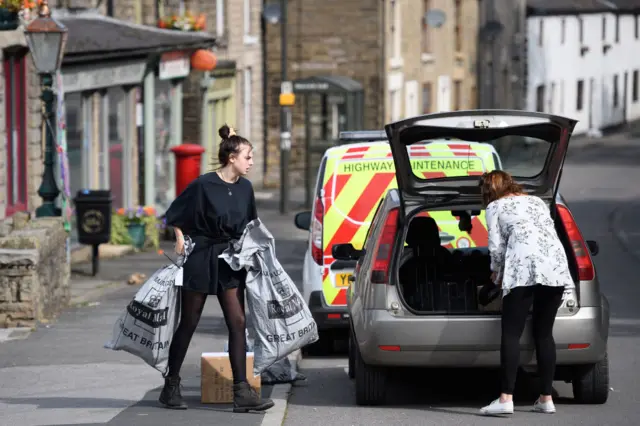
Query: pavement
[60, 374]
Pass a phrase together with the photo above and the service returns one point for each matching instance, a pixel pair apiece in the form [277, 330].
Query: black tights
[515, 309]
[232, 303]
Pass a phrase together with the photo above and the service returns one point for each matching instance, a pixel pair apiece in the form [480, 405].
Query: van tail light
[586, 271]
[316, 231]
[384, 249]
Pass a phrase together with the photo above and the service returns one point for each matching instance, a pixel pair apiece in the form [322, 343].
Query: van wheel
[351, 371]
[591, 383]
[370, 381]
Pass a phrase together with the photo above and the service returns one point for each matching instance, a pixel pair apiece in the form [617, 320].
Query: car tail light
[586, 271]
[316, 231]
[384, 249]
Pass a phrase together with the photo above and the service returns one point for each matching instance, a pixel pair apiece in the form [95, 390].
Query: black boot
[170, 396]
[245, 398]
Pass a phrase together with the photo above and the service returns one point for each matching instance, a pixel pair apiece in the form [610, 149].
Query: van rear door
[356, 178]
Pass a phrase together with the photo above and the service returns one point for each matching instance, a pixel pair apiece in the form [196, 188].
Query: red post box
[188, 158]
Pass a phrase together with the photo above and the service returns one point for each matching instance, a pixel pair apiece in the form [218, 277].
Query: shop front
[100, 103]
[163, 103]
[122, 88]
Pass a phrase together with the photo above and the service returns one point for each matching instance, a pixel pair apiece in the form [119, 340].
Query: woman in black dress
[214, 209]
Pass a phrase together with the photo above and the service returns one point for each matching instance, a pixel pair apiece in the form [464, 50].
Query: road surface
[600, 182]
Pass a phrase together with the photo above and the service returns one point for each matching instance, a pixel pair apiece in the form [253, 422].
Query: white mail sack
[146, 327]
[281, 319]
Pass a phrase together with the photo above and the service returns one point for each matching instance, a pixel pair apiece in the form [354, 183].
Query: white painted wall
[558, 65]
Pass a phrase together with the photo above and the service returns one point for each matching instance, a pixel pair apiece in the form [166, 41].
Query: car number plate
[342, 280]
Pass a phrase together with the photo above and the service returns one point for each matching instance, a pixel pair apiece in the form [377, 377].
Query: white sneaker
[497, 407]
[544, 407]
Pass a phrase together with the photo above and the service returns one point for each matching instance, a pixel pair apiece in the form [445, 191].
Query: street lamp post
[273, 13]
[47, 39]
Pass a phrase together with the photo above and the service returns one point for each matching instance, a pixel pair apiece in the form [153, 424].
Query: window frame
[15, 79]
[220, 18]
[427, 89]
[247, 94]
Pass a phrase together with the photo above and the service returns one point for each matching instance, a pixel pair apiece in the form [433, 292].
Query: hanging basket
[9, 20]
[203, 60]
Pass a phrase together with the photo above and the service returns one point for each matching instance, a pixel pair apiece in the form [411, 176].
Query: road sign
[286, 87]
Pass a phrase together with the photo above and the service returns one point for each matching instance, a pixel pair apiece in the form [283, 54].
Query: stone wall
[34, 272]
[34, 137]
[324, 38]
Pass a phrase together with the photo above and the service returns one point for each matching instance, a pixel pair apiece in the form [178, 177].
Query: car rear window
[451, 236]
[440, 158]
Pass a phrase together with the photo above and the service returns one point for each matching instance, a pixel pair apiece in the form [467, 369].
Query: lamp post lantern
[47, 39]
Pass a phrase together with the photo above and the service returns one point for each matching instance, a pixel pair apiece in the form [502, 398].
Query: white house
[583, 62]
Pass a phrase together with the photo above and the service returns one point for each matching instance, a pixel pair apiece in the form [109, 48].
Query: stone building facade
[502, 54]
[34, 270]
[432, 67]
[406, 67]
[232, 93]
[323, 38]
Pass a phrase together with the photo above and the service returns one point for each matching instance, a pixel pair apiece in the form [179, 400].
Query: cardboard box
[216, 379]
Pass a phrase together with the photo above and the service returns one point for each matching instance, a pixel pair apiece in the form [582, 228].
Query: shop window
[117, 132]
[15, 93]
[165, 192]
[75, 133]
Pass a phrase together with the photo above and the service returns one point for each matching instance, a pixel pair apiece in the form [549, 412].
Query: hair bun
[224, 131]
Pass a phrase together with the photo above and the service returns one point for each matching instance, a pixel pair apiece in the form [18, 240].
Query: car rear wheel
[370, 381]
[352, 357]
[591, 383]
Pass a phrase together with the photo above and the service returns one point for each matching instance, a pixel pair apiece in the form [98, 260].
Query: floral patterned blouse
[524, 245]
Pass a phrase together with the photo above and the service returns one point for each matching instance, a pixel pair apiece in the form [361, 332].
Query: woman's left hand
[494, 279]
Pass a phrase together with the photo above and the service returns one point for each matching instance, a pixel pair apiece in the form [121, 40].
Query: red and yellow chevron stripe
[357, 177]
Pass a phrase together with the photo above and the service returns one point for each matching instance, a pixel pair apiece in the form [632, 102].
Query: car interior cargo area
[445, 265]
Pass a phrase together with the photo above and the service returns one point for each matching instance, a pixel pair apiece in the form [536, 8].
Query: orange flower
[120, 211]
[149, 210]
[200, 22]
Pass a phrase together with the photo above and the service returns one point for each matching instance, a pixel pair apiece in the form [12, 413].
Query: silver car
[413, 302]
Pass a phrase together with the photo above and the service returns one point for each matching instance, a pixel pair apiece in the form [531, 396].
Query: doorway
[624, 96]
[592, 92]
[330, 104]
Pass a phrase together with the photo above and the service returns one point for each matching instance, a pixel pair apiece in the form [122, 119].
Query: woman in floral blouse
[529, 262]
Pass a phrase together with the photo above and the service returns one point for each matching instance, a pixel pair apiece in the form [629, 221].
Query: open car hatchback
[416, 298]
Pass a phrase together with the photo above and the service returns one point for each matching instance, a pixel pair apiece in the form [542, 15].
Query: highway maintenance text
[431, 164]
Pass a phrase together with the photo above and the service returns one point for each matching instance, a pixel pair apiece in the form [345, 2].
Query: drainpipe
[265, 98]
[110, 8]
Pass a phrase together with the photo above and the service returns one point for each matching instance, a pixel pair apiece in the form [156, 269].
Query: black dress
[212, 212]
